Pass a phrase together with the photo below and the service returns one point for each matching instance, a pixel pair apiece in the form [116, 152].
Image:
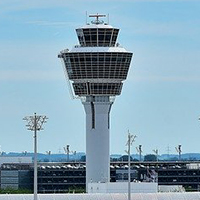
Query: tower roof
[98, 49]
[90, 26]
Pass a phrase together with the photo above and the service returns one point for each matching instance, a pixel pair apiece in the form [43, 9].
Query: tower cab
[97, 33]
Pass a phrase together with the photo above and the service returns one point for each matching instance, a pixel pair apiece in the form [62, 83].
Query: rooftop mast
[97, 21]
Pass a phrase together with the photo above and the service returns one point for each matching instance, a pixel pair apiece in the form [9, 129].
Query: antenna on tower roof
[97, 21]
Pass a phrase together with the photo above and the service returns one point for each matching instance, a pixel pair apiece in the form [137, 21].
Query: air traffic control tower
[96, 69]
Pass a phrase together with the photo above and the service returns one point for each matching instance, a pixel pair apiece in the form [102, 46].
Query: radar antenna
[97, 21]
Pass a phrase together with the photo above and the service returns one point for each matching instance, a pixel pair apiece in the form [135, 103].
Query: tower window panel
[107, 58]
[87, 38]
[101, 54]
[88, 59]
[113, 59]
[82, 60]
[71, 59]
[109, 31]
[93, 31]
[86, 30]
[94, 58]
[101, 74]
[101, 58]
[108, 36]
[100, 38]
[114, 38]
[101, 31]
[94, 40]
[81, 40]
[75, 58]
[80, 36]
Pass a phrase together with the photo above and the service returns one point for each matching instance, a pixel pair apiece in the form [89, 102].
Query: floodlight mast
[131, 139]
[66, 150]
[179, 150]
[156, 152]
[139, 150]
[35, 123]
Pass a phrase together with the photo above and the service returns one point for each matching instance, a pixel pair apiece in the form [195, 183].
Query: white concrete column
[97, 141]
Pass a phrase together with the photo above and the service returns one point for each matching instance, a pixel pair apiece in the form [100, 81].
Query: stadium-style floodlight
[156, 152]
[35, 123]
[139, 150]
[178, 149]
[48, 152]
[67, 151]
[131, 139]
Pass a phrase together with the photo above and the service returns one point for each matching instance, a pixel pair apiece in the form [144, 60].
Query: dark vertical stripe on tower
[93, 112]
[93, 115]
[88, 88]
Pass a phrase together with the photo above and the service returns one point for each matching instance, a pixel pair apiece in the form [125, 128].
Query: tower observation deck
[97, 68]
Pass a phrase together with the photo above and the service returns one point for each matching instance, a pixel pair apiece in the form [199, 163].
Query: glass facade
[101, 65]
[97, 36]
[85, 89]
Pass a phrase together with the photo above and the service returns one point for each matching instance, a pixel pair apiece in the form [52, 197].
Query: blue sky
[159, 102]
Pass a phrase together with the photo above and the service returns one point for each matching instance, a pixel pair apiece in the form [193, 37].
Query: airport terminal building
[71, 176]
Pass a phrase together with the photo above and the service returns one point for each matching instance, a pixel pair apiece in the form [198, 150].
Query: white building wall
[122, 187]
[171, 188]
[134, 196]
[97, 142]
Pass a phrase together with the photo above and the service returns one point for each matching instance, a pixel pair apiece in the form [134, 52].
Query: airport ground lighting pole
[156, 152]
[131, 139]
[179, 150]
[139, 150]
[34, 123]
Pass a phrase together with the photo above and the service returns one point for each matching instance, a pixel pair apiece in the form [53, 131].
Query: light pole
[35, 123]
[156, 152]
[131, 139]
[66, 149]
[139, 150]
[178, 149]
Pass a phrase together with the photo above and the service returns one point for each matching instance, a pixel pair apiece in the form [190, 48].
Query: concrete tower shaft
[97, 111]
[97, 68]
